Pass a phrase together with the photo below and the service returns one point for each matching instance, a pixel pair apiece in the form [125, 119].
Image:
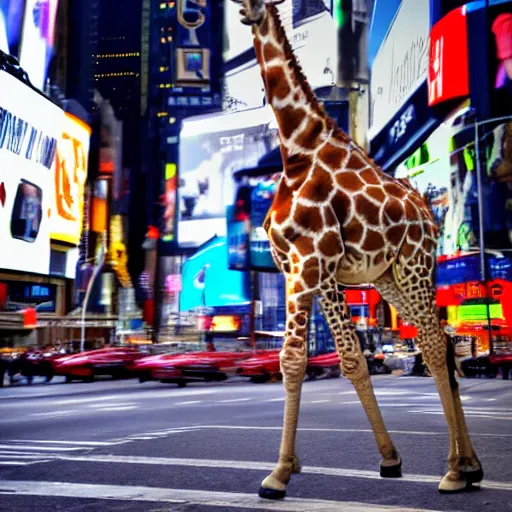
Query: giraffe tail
[451, 363]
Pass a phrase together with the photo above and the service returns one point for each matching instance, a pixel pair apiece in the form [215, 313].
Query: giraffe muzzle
[253, 11]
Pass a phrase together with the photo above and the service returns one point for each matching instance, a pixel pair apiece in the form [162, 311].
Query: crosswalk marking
[344, 430]
[39, 448]
[233, 400]
[79, 443]
[187, 496]
[18, 452]
[262, 466]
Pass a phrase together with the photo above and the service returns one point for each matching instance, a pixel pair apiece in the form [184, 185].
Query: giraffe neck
[304, 126]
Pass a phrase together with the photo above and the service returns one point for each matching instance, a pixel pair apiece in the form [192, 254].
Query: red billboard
[448, 75]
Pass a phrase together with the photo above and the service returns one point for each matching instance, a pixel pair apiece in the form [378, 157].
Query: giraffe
[337, 220]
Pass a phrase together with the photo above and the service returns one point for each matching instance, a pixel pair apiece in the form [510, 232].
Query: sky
[383, 13]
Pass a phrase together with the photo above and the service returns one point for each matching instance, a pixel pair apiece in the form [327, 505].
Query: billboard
[30, 127]
[401, 64]
[11, 15]
[312, 34]
[70, 174]
[448, 72]
[38, 39]
[208, 283]
[212, 149]
[248, 243]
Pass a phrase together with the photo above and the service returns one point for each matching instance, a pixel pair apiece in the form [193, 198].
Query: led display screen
[30, 127]
[207, 281]
[70, 175]
[38, 39]
[211, 149]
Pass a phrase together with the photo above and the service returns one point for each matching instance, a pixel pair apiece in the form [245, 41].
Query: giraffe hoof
[271, 494]
[453, 482]
[394, 471]
[473, 476]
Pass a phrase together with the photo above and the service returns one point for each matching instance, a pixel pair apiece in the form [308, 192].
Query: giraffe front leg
[293, 360]
[354, 367]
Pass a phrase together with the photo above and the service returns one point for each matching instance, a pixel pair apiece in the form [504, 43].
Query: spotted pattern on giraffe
[338, 220]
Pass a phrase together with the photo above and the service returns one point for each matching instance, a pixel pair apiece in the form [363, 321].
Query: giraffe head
[253, 11]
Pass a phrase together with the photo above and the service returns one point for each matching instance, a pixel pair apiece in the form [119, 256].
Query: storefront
[448, 132]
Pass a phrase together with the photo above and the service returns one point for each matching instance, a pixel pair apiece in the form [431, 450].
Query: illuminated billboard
[30, 127]
[312, 34]
[38, 39]
[212, 148]
[70, 174]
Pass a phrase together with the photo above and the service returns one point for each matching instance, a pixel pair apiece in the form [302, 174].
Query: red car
[264, 366]
[194, 366]
[261, 367]
[85, 366]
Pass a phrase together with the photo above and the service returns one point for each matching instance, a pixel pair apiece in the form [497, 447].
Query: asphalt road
[125, 446]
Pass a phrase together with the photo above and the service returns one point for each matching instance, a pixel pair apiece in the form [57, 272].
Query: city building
[441, 116]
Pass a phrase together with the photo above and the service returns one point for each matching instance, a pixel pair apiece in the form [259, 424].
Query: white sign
[314, 42]
[401, 64]
[30, 127]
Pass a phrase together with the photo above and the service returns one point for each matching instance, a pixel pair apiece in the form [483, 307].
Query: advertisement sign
[169, 202]
[30, 127]
[211, 149]
[70, 177]
[11, 14]
[38, 39]
[448, 75]
[312, 34]
[208, 283]
[196, 52]
[238, 228]
[401, 64]
[261, 200]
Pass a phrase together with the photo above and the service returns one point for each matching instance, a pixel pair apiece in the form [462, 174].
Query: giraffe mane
[290, 56]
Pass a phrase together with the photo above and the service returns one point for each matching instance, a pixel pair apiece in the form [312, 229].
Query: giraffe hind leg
[414, 298]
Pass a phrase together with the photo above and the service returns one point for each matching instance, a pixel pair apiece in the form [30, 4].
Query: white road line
[346, 430]
[114, 408]
[102, 406]
[318, 402]
[148, 437]
[262, 466]
[232, 400]
[17, 463]
[23, 456]
[190, 402]
[86, 400]
[468, 415]
[79, 443]
[53, 414]
[186, 496]
[39, 448]
[276, 399]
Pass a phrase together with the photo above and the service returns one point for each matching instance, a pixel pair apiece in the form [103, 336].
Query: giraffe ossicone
[337, 220]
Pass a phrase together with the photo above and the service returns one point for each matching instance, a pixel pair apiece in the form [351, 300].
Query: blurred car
[194, 366]
[323, 365]
[87, 365]
[261, 367]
